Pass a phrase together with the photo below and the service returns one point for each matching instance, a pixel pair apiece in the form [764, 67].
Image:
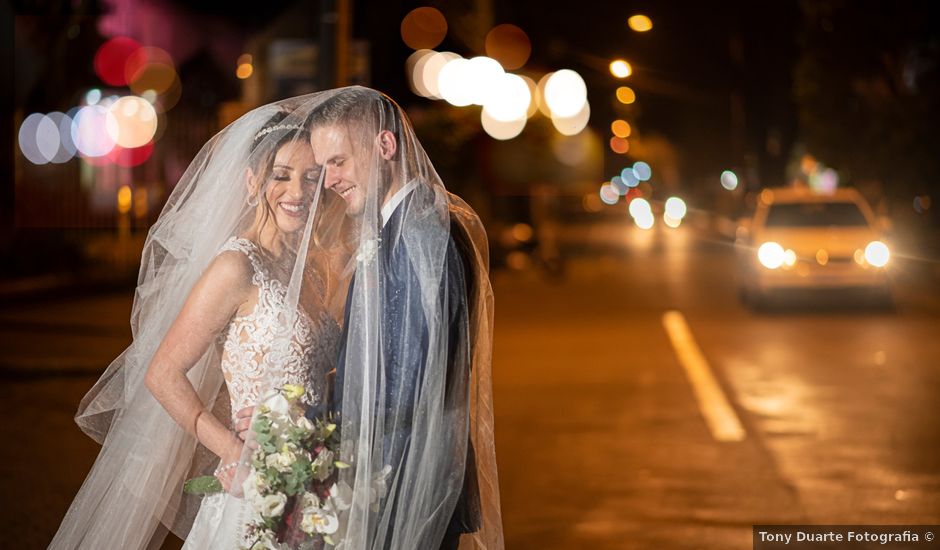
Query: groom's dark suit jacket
[404, 315]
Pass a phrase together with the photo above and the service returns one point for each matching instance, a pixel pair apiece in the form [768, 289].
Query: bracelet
[222, 469]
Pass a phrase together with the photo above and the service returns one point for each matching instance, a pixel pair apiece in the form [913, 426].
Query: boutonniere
[368, 249]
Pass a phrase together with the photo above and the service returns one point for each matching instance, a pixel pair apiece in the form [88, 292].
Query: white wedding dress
[248, 362]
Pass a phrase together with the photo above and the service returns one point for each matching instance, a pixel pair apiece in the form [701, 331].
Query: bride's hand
[243, 422]
[230, 483]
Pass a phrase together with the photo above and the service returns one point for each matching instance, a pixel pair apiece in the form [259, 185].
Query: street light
[620, 68]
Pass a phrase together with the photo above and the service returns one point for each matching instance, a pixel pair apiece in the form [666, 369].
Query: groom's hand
[243, 422]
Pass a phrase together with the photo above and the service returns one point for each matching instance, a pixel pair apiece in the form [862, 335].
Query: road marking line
[719, 415]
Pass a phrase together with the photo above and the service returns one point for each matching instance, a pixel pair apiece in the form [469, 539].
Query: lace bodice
[255, 357]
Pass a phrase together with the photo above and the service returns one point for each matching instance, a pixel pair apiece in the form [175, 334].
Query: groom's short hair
[362, 108]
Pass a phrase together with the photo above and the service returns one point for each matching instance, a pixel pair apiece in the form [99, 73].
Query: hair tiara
[265, 131]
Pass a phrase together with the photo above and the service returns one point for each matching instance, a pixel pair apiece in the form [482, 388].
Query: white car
[801, 240]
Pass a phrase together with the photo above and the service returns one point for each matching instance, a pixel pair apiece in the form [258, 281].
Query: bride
[299, 214]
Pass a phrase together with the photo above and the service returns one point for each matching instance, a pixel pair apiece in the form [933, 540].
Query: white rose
[276, 402]
[310, 501]
[281, 461]
[273, 505]
[319, 521]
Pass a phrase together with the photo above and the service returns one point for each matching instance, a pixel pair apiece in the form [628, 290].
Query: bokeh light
[609, 194]
[111, 59]
[670, 221]
[90, 131]
[533, 95]
[131, 122]
[414, 66]
[430, 70]
[642, 170]
[629, 177]
[620, 68]
[729, 180]
[639, 206]
[92, 96]
[565, 93]
[640, 23]
[454, 83]
[572, 150]
[244, 68]
[509, 98]
[617, 183]
[877, 254]
[626, 95]
[423, 28]
[522, 232]
[124, 199]
[675, 208]
[501, 129]
[482, 76]
[619, 145]
[509, 45]
[27, 139]
[542, 103]
[129, 157]
[620, 128]
[572, 125]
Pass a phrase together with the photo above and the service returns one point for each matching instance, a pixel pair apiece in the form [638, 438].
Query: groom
[357, 137]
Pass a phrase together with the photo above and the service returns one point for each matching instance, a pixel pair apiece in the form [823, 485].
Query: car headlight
[877, 254]
[771, 255]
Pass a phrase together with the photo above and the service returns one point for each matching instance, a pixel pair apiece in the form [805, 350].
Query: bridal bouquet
[292, 481]
[292, 477]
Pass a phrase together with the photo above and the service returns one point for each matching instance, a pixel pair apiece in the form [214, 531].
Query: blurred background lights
[877, 254]
[244, 67]
[509, 45]
[619, 145]
[629, 177]
[482, 75]
[639, 206]
[429, 69]
[921, 203]
[620, 128]
[572, 125]
[509, 98]
[414, 66]
[423, 28]
[618, 184]
[27, 139]
[131, 122]
[670, 221]
[729, 180]
[533, 95]
[642, 170]
[124, 199]
[640, 23]
[111, 59]
[675, 208]
[540, 95]
[92, 96]
[501, 129]
[644, 220]
[625, 95]
[608, 194]
[620, 68]
[565, 93]
[89, 131]
[454, 84]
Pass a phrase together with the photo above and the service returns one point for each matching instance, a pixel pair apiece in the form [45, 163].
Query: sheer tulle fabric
[409, 290]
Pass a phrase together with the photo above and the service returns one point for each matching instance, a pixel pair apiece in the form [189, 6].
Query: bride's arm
[213, 301]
